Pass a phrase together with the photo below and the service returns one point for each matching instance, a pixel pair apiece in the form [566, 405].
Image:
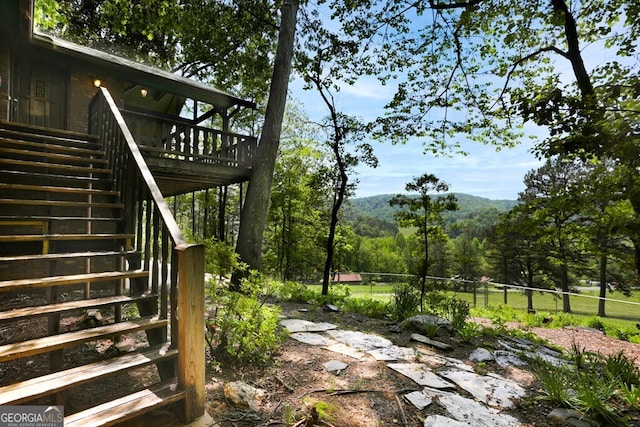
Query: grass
[623, 313]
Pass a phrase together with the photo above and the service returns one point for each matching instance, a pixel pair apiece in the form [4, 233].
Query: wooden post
[191, 357]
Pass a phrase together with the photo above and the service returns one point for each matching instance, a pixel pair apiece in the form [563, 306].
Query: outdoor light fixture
[143, 92]
[97, 82]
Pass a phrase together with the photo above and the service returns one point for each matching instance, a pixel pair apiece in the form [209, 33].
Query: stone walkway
[442, 377]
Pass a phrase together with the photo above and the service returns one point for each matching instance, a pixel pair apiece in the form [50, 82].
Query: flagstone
[421, 375]
[301, 325]
[493, 390]
[393, 353]
[312, 338]
[341, 348]
[469, 411]
[360, 340]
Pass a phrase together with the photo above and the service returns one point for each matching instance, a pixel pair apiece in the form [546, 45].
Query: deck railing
[176, 268]
[181, 139]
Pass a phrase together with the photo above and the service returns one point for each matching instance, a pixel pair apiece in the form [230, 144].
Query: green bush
[241, 325]
[366, 306]
[406, 300]
[448, 306]
[596, 323]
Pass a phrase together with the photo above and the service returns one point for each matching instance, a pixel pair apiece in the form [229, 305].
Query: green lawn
[621, 311]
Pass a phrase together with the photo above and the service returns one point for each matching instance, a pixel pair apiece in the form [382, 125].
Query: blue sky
[483, 172]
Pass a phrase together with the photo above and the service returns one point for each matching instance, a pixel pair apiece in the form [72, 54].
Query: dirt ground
[368, 393]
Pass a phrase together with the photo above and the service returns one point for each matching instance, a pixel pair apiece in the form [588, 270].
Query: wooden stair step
[73, 279]
[58, 218]
[67, 255]
[54, 177]
[63, 307]
[53, 203]
[128, 407]
[37, 133]
[34, 388]
[69, 339]
[59, 237]
[92, 149]
[56, 166]
[58, 189]
[58, 157]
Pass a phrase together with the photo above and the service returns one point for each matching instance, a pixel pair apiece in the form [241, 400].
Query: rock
[360, 340]
[311, 338]
[125, 346]
[418, 400]
[331, 308]
[425, 323]
[469, 411]
[432, 343]
[335, 366]
[442, 421]
[242, 394]
[95, 314]
[481, 355]
[393, 353]
[570, 417]
[299, 325]
[421, 375]
[507, 358]
[491, 389]
[341, 348]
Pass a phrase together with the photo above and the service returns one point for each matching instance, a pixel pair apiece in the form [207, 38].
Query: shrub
[405, 301]
[241, 325]
[366, 306]
[595, 323]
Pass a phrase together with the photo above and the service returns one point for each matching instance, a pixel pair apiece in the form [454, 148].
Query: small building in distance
[347, 278]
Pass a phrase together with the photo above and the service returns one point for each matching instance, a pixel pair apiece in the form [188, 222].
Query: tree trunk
[603, 285]
[332, 227]
[254, 211]
[564, 272]
[530, 287]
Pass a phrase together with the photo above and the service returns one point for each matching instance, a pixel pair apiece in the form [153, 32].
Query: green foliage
[366, 306]
[405, 301]
[595, 323]
[596, 385]
[450, 307]
[241, 325]
[622, 369]
[554, 385]
[220, 258]
[469, 331]
[630, 395]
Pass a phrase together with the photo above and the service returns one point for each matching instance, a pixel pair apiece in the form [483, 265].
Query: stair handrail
[143, 169]
[186, 280]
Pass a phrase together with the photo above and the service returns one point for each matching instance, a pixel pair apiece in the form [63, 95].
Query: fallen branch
[333, 392]
[287, 386]
[404, 417]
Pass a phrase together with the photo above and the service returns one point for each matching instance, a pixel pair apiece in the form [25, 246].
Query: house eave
[141, 74]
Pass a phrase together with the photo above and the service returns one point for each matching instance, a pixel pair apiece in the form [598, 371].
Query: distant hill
[378, 206]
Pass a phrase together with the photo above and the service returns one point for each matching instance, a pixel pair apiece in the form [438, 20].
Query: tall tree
[254, 211]
[425, 213]
[551, 196]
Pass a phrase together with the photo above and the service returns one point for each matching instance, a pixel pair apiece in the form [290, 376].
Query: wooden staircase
[73, 271]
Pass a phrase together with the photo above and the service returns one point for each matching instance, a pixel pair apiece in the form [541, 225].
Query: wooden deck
[185, 157]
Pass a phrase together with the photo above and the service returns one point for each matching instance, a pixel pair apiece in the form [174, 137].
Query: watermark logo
[31, 416]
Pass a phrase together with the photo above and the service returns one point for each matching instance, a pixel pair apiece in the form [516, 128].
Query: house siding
[4, 85]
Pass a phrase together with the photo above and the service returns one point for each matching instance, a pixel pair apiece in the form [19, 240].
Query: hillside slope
[378, 206]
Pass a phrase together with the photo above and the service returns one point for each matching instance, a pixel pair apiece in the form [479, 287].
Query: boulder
[243, 395]
[425, 324]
